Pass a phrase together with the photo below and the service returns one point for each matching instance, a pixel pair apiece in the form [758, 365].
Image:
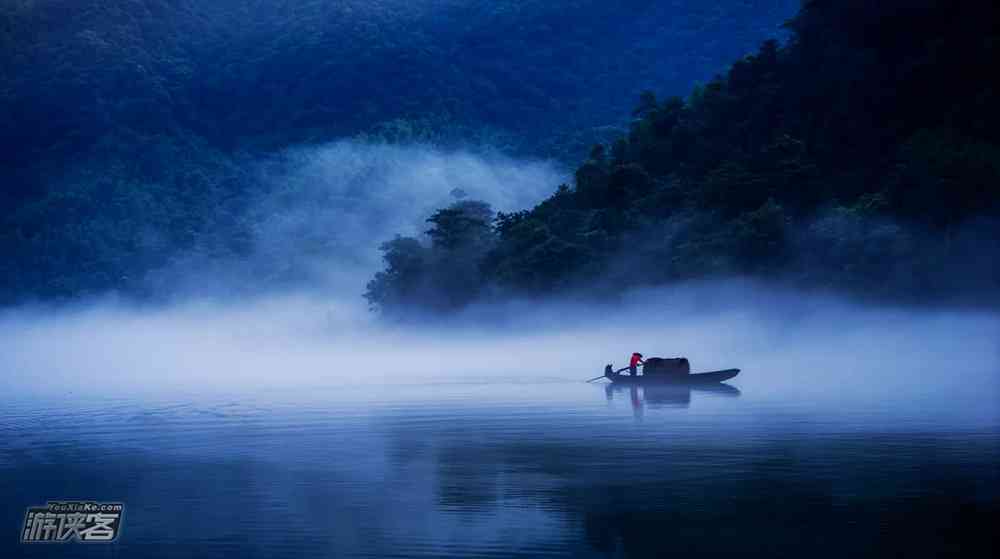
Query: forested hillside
[128, 125]
[863, 155]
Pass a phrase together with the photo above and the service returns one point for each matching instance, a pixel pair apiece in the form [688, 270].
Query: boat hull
[712, 377]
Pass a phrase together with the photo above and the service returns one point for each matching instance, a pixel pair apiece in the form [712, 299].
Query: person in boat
[634, 362]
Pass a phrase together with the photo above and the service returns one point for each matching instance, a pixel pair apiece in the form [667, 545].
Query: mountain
[129, 125]
[862, 155]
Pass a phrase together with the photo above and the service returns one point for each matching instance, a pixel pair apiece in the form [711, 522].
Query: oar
[596, 378]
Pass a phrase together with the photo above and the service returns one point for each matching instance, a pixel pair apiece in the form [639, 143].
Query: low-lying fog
[827, 352]
[322, 211]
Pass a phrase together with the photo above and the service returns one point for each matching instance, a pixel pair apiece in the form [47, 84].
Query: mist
[318, 214]
[826, 351]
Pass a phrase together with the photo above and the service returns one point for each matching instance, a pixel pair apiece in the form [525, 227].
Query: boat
[711, 377]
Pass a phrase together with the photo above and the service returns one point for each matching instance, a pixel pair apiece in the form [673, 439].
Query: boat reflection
[665, 396]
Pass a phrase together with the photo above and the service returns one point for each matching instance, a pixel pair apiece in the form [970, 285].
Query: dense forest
[863, 154]
[130, 126]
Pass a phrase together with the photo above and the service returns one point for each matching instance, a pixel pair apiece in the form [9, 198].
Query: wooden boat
[712, 377]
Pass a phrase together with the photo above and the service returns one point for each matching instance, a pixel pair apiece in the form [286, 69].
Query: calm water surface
[519, 468]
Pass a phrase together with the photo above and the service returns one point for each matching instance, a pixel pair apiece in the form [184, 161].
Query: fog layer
[322, 211]
[829, 353]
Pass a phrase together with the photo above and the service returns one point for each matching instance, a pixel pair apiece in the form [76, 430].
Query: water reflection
[530, 470]
[664, 395]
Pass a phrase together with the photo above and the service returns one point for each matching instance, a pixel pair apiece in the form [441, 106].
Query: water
[771, 464]
[249, 431]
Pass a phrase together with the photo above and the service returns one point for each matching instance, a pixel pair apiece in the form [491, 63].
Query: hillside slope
[863, 155]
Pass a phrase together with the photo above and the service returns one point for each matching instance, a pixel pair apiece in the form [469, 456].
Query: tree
[404, 277]
[647, 104]
[463, 225]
